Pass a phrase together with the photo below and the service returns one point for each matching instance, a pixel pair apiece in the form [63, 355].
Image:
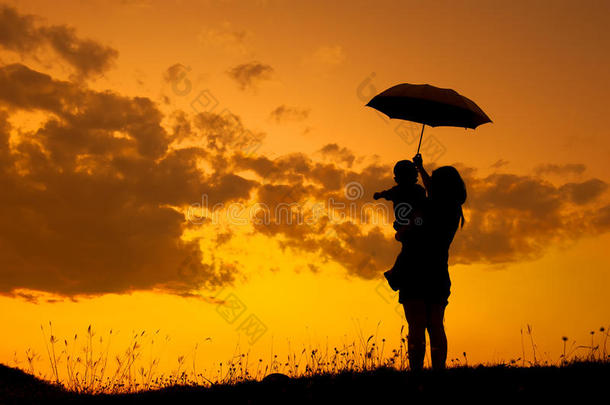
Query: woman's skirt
[422, 275]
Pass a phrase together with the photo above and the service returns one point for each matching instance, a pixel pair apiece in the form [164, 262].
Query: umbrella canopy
[429, 105]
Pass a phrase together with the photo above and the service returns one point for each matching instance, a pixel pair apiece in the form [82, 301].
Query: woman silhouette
[423, 264]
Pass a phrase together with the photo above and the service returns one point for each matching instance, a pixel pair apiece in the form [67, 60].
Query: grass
[84, 364]
[82, 370]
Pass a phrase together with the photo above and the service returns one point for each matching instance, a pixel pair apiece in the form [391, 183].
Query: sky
[147, 145]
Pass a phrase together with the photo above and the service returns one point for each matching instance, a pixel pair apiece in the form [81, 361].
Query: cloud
[499, 163]
[560, 169]
[249, 75]
[22, 34]
[225, 133]
[175, 73]
[226, 37]
[510, 217]
[338, 154]
[85, 110]
[17, 32]
[88, 57]
[285, 113]
[585, 192]
[89, 196]
[513, 218]
[325, 58]
[176, 76]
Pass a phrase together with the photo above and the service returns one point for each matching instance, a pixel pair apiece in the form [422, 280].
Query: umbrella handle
[420, 137]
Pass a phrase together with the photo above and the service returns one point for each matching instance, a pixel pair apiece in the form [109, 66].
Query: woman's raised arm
[425, 177]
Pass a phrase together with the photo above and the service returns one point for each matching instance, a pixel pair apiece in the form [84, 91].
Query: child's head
[405, 172]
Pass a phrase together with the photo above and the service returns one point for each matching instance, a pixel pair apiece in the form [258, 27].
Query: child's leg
[438, 338]
[415, 311]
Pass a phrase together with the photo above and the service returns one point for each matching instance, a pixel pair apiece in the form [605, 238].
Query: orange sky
[533, 250]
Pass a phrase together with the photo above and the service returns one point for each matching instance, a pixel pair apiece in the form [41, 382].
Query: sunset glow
[205, 169]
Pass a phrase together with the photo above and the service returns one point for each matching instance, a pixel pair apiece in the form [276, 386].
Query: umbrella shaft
[420, 137]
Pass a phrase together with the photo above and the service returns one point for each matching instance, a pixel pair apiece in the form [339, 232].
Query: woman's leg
[438, 339]
[415, 311]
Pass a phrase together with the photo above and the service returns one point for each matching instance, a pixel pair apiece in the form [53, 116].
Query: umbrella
[429, 105]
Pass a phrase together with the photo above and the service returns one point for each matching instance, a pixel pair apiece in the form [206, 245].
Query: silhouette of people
[421, 269]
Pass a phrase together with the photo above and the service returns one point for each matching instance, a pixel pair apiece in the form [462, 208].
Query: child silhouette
[407, 198]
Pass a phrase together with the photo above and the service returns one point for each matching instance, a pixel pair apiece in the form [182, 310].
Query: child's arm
[425, 177]
[385, 194]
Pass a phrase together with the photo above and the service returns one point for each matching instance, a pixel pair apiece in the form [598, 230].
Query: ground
[580, 381]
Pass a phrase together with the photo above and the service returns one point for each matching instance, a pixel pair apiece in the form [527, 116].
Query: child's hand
[417, 161]
[377, 196]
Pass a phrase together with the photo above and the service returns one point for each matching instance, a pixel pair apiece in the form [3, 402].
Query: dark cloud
[285, 113]
[336, 153]
[499, 163]
[249, 75]
[223, 238]
[25, 35]
[600, 221]
[87, 56]
[17, 32]
[512, 218]
[86, 110]
[88, 197]
[225, 132]
[175, 72]
[585, 192]
[176, 77]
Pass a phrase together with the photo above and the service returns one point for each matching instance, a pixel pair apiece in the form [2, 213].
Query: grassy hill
[495, 384]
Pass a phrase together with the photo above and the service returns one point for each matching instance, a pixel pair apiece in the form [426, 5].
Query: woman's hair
[447, 187]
